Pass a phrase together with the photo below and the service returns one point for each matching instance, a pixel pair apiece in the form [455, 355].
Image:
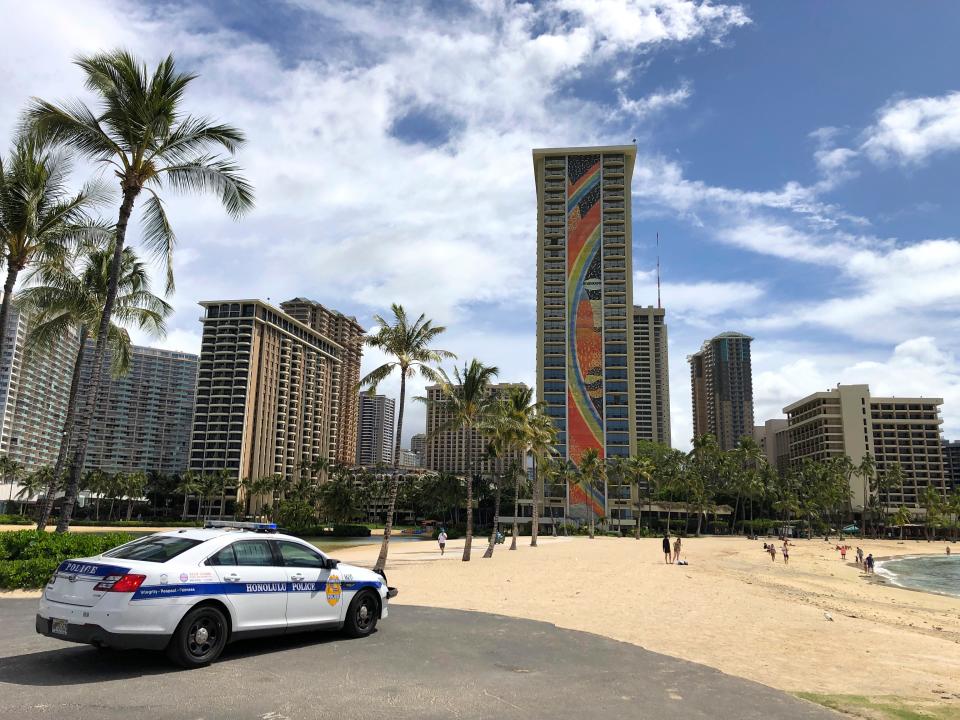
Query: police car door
[253, 583]
[315, 594]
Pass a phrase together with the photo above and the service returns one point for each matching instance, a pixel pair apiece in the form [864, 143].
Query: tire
[199, 638]
[361, 619]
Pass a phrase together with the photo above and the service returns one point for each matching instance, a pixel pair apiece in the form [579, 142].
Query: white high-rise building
[375, 443]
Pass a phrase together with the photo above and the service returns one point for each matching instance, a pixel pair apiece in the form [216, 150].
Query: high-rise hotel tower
[585, 302]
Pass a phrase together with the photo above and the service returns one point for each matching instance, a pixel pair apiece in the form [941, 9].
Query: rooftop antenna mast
[658, 270]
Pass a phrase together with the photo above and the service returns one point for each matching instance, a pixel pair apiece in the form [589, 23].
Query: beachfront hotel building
[951, 459]
[446, 447]
[142, 420]
[773, 437]
[268, 388]
[418, 446]
[651, 374]
[346, 332]
[375, 444]
[585, 346]
[721, 386]
[847, 420]
[34, 392]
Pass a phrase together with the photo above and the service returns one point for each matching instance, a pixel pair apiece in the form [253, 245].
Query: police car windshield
[153, 548]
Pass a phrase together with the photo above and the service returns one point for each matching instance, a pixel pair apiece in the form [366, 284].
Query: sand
[730, 608]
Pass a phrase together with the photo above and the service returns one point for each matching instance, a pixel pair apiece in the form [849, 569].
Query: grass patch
[886, 707]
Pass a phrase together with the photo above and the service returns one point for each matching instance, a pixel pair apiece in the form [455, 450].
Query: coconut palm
[542, 436]
[867, 469]
[33, 484]
[901, 519]
[408, 344]
[39, 217]
[591, 470]
[140, 132]
[68, 294]
[469, 403]
[639, 473]
[187, 486]
[10, 471]
[133, 488]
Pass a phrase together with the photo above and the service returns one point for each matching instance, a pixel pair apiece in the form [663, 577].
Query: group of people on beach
[865, 562]
[672, 557]
[772, 549]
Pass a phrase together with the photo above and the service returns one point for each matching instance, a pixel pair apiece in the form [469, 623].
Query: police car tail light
[121, 583]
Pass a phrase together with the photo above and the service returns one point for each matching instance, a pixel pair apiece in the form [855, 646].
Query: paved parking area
[421, 663]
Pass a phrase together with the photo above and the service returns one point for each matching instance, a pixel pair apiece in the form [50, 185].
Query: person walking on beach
[869, 563]
[786, 553]
[676, 550]
[843, 552]
[442, 539]
[859, 555]
[773, 552]
[666, 548]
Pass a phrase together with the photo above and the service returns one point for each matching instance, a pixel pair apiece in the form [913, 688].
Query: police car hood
[352, 572]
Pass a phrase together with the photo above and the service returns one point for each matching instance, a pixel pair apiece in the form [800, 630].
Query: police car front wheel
[362, 615]
[199, 638]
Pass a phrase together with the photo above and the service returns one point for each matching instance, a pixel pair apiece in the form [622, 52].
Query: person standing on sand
[773, 552]
[843, 552]
[666, 548]
[859, 555]
[869, 563]
[786, 553]
[442, 539]
[676, 550]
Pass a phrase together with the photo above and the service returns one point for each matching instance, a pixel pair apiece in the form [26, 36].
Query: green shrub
[140, 523]
[15, 520]
[26, 574]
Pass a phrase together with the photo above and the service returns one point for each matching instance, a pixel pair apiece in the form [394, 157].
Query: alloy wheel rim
[203, 636]
[364, 614]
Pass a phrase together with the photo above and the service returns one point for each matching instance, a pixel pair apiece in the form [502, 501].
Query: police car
[191, 592]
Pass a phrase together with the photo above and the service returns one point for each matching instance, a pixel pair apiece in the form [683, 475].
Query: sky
[799, 161]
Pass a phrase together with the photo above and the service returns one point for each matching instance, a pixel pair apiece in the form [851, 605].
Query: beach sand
[730, 608]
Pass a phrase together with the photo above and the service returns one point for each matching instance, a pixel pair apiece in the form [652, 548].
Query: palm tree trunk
[12, 271]
[592, 523]
[639, 512]
[66, 436]
[394, 480]
[535, 510]
[488, 553]
[469, 457]
[516, 509]
[185, 500]
[129, 508]
[80, 456]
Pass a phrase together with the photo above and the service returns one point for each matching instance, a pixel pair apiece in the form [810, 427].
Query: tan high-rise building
[847, 420]
[346, 332]
[721, 384]
[446, 449]
[34, 392]
[267, 391]
[773, 437]
[651, 374]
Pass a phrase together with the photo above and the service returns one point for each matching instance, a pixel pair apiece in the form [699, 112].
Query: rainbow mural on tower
[584, 321]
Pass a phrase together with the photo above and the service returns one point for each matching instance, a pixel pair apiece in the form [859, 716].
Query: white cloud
[910, 130]
[703, 298]
[642, 108]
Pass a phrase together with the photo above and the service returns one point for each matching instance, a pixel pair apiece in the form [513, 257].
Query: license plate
[58, 627]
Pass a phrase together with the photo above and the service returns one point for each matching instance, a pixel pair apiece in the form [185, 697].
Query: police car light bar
[255, 526]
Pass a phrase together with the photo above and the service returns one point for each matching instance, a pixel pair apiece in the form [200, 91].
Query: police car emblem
[333, 590]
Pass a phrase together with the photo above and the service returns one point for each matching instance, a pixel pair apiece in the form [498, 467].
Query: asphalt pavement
[421, 663]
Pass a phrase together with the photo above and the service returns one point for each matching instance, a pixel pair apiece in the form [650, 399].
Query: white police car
[193, 591]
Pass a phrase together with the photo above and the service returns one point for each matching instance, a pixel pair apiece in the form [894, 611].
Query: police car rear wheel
[361, 616]
[199, 639]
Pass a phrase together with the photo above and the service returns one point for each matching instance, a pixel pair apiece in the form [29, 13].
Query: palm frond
[158, 235]
[209, 173]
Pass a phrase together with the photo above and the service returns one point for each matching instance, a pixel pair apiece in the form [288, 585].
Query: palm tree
[866, 470]
[33, 484]
[39, 218]
[10, 471]
[901, 518]
[96, 482]
[469, 404]
[409, 346]
[638, 469]
[143, 135]
[133, 488]
[188, 486]
[542, 436]
[69, 293]
[591, 470]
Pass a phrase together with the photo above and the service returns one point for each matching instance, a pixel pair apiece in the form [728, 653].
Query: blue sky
[798, 159]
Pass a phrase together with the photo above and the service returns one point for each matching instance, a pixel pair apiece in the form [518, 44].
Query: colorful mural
[584, 319]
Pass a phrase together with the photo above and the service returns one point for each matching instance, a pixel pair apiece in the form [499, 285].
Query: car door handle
[232, 577]
[297, 578]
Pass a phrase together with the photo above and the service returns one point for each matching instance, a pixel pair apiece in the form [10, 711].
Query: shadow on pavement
[83, 664]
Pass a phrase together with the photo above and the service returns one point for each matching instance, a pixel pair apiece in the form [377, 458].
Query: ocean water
[932, 573]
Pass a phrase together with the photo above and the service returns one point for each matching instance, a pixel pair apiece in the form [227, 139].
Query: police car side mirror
[331, 564]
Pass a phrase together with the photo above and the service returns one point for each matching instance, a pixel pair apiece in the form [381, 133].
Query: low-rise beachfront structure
[894, 430]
